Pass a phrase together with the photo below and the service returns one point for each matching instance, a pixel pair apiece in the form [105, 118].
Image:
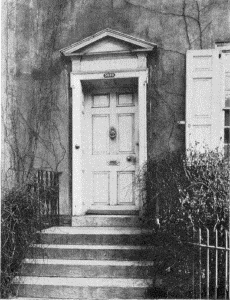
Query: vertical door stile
[87, 132]
[113, 151]
[100, 123]
[137, 151]
[142, 119]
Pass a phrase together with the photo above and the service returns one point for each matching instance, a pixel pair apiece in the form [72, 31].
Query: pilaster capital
[74, 81]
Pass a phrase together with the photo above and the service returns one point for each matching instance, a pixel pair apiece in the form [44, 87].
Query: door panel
[125, 99]
[109, 173]
[101, 188]
[202, 87]
[126, 132]
[101, 100]
[125, 187]
[100, 126]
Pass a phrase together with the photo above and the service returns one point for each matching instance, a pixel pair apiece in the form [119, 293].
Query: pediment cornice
[108, 41]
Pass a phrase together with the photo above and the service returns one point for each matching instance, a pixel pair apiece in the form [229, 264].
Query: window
[226, 109]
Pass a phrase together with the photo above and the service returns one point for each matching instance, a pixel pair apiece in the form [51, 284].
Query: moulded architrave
[78, 99]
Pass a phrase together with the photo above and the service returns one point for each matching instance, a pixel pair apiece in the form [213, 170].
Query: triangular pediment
[108, 41]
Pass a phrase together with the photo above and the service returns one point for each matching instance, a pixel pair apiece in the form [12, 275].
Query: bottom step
[21, 298]
[90, 288]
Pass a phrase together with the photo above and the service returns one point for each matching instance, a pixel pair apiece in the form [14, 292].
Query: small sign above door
[109, 75]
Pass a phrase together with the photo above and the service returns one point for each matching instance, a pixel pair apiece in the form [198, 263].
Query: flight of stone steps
[99, 257]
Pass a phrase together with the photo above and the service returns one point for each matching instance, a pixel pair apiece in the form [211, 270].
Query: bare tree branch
[162, 12]
[171, 50]
[186, 24]
[198, 37]
[199, 24]
[185, 17]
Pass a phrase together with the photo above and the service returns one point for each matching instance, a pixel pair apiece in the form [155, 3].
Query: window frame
[224, 48]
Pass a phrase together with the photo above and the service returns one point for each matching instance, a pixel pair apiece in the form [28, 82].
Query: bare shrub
[180, 195]
[22, 216]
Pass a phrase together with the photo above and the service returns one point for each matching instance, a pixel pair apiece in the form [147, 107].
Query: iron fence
[211, 264]
[46, 185]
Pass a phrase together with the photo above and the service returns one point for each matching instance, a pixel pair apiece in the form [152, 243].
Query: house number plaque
[109, 75]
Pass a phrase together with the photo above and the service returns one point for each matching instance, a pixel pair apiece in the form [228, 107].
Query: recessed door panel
[126, 132]
[125, 99]
[125, 187]
[202, 90]
[100, 134]
[101, 188]
[203, 134]
[100, 100]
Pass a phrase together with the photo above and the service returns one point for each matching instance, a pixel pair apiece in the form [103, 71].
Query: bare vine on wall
[37, 117]
[194, 19]
[195, 14]
[32, 126]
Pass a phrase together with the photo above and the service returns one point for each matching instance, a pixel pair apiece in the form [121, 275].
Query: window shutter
[204, 116]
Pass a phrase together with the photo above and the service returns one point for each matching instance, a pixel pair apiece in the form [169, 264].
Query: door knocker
[112, 133]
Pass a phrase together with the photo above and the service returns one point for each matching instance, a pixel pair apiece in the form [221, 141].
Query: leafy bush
[21, 218]
[181, 194]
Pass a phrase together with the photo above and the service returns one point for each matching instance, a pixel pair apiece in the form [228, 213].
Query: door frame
[77, 119]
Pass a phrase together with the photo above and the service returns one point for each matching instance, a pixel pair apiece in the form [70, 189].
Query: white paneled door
[110, 150]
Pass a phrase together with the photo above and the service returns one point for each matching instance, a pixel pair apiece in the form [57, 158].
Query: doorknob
[77, 147]
[131, 158]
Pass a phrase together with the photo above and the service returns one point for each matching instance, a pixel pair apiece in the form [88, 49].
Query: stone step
[94, 235]
[82, 288]
[86, 268]
[26, 298]
[90, 252]
[106, 221]
[29, 298]
[99, 258]
[113, 210]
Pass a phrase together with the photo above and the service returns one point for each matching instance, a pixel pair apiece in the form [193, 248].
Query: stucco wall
[40, 79]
